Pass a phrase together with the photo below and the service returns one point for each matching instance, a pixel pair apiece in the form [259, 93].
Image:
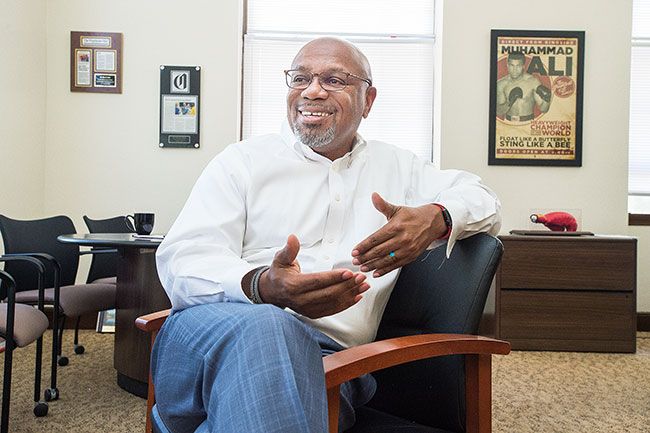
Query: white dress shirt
[256, 192]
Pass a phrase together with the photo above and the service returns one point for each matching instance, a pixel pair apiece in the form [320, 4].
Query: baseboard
[643, 322]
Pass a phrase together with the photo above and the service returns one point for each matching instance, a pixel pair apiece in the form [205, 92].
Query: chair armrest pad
[153, 321]
[98, 251]
[356, 361]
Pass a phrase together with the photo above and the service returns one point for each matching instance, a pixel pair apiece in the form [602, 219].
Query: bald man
[287, 250]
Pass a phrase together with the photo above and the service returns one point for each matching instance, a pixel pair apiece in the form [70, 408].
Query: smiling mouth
[315, 113]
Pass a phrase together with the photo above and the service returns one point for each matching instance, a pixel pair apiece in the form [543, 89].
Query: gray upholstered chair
[433, 375]
[40, 236]
[21, 325]
[103, 268]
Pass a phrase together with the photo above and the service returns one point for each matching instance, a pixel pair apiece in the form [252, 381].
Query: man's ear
[371, 94]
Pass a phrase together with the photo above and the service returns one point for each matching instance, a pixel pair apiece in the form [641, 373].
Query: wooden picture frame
[106, 322]
[96, 62]
[536, 85]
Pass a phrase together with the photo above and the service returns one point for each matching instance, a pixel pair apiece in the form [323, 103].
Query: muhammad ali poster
[536, 80]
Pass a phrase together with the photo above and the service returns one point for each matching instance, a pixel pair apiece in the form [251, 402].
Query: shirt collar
[308, 153]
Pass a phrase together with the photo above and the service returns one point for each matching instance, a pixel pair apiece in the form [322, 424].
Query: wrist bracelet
[255, 285]
[447, 219]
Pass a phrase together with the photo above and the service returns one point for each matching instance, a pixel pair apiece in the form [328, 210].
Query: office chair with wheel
[103, 266]
[40, 236]
[432, 375]
[21, 325]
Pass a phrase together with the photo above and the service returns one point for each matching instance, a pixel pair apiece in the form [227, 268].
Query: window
[397, 38]
[639, 156]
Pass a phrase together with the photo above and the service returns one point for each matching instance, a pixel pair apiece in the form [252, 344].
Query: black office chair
[433, 295]
[431, 376]
[40, 236]
[21, 325]
[103, 268]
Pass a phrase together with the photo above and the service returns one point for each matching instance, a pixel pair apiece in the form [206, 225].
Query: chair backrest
[436, 295]
[105, 265]
[39, 236]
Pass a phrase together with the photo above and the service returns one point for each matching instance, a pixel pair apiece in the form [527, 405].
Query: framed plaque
[180, 88]
[96, 62]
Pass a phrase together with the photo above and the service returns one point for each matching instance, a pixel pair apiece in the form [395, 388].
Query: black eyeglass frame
[311, 76]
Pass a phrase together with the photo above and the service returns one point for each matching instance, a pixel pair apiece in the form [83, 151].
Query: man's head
[516, 61]
[327, 120]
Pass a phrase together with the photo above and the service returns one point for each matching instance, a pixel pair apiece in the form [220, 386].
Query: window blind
[639, 153]
[398, 42]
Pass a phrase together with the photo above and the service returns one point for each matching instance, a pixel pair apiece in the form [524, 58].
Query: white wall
[101, 154]
[22, 107]
[465, 87]
[598, 189]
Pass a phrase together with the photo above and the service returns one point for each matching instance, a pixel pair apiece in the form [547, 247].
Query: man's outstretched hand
[408, 232]
[313, 295]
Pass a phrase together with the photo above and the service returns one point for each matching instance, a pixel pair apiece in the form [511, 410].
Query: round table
[138, 292]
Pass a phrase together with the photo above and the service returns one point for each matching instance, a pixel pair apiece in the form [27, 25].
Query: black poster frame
[537, 135]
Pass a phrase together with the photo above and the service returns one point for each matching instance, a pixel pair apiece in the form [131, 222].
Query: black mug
[141, 222]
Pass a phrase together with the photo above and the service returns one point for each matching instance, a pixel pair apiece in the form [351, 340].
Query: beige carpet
[567, 392]
[90, 399]
[536, 392]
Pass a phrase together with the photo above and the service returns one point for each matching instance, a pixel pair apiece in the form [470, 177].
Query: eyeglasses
[330, 81]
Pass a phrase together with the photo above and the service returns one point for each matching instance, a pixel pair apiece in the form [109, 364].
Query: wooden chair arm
[351, 363]
[152, 322]
[356, 361]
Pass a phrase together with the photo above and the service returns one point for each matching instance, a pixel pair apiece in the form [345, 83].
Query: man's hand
[408, 232]
[313, 295]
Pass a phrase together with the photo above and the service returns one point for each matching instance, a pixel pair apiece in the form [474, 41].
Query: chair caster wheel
[79, 349]
[63, 361]
[51, 394]
[40, 409]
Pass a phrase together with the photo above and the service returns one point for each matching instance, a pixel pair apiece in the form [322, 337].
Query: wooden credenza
[572, 293]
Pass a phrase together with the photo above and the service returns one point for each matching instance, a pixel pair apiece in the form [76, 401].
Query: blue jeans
[234, 367]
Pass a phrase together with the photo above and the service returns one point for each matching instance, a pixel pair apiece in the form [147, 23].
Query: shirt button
[326, 257]
[337, 197]
[330, 240]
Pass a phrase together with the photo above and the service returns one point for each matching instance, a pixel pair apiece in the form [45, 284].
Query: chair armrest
[27, 257]
[98, 251]
[152, 322]
[356, 361]
[36, 259]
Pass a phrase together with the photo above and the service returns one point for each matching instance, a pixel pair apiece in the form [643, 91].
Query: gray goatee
[311, 137]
